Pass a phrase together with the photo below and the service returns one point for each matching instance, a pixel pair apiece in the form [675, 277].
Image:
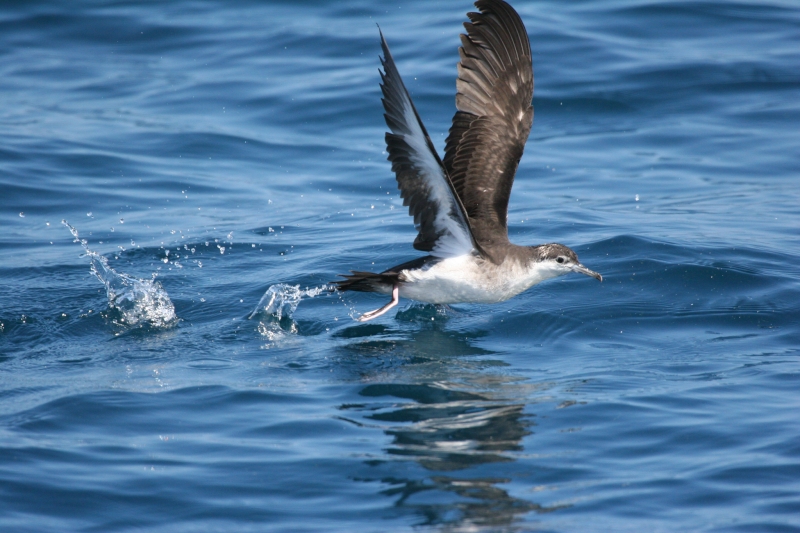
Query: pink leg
[378, 312]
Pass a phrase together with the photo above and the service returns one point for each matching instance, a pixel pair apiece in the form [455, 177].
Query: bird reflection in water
[459, 420]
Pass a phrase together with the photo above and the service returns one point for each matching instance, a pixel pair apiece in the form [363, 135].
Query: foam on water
[138, 301]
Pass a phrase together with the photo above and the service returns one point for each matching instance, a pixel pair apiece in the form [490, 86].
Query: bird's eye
[560, 259]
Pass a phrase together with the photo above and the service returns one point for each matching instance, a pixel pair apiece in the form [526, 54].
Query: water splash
[138, 301]
[279, 304]
[281, 300]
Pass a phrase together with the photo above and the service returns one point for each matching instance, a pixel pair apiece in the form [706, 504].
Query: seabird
[460, 203]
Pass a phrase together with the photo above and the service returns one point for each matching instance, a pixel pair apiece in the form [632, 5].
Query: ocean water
[170, 358]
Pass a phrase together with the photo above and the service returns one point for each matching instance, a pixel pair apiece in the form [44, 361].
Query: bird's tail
[383, 282]
[366, 282]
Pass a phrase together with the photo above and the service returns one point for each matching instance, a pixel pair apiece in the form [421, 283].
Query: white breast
[469, 279]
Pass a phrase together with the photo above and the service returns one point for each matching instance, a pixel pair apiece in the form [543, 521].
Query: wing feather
[426, 189]
[493, 118]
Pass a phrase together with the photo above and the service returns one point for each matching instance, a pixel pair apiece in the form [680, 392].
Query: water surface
[212, 151]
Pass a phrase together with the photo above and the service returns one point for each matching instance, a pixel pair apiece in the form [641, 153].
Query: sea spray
[138, 301]
[281, 300]
[279, 304]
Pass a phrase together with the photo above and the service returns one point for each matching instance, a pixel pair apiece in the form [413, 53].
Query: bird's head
[557, 260]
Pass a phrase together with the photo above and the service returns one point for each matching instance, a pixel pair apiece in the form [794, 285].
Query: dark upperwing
[494, 117]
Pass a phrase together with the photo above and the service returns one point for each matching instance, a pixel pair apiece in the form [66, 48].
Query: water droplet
[137, 300]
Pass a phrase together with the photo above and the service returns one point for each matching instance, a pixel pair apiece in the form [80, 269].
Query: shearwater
[460, 203]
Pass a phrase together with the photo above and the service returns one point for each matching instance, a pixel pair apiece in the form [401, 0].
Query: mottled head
[560, 260]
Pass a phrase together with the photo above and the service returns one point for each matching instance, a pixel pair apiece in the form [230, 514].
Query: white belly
[468, 279]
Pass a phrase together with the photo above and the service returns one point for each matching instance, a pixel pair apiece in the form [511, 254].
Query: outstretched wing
[494, 117]
[424, 186]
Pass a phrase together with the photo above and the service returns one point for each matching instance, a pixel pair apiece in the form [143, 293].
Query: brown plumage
[460, 203]
[494, 117]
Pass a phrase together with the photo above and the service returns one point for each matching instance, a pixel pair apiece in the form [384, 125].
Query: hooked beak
[583, 270]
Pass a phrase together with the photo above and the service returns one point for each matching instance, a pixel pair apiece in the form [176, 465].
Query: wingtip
[387, 61]
[384, 45]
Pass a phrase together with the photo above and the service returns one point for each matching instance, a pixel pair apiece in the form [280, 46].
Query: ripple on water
[663, 399]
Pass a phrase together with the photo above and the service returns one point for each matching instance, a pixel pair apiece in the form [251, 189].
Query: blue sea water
[208, 154]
